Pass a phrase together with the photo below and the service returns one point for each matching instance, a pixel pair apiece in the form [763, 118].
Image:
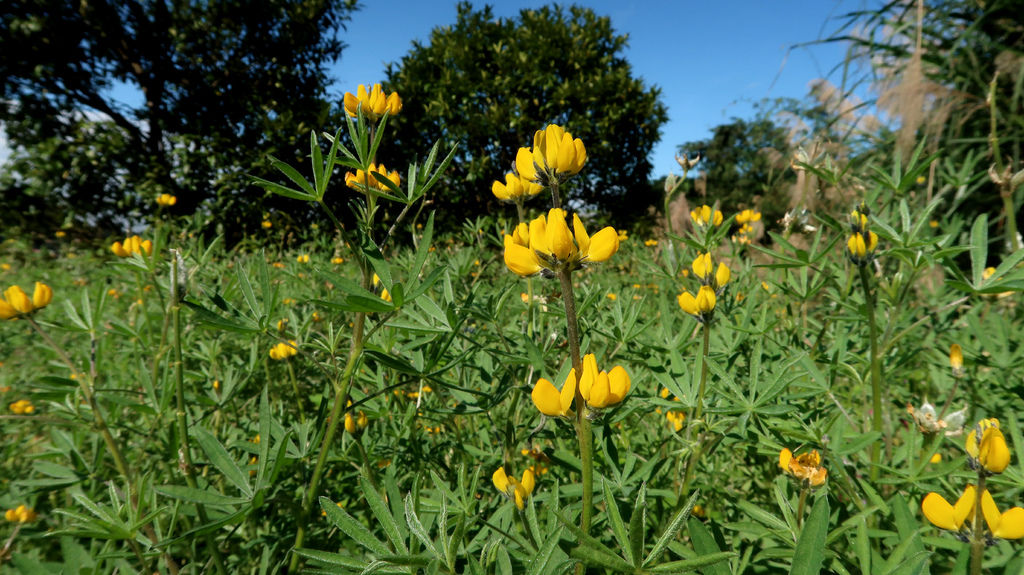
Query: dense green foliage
[489, 83]
[220, 85]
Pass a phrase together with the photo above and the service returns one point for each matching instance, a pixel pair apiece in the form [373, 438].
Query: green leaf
[673, 527]
[203, 496]
[618, 527]
[382, 514]
[979, 249]
[353, 528]
[705, 546]
[416, 527]
[810, 547]
[220, 459]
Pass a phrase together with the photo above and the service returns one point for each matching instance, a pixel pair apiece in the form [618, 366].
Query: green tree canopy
[221, 84]
[491, 83]
[744, 163]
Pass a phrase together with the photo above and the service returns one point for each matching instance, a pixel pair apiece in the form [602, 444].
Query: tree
[744, 162]
[220, 84]
[491, 83]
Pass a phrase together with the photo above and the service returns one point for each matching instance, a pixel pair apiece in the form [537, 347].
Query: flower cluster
[959, 516]
[746, 232]
[713, 281]
[20, 514]
[862, 242]
[132, 245]
[986, 447]
[555, 156]
[359, 181]
[705, 216]
[806, 467]
[16, 303]
[373, 102]
[548, 244]
[599, 389]
[988, 454]
[355, 423]
[515, 188]
[22, 407]
[284, 350]
[512, 488]
[166, 200]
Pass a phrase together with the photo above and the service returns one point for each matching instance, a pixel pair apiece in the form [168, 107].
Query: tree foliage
[744, 163]
[220, 84]
[491, 83]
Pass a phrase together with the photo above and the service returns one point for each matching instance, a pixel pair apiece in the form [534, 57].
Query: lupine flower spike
[16, 303]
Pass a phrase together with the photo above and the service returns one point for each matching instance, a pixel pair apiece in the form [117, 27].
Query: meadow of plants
[533, 392]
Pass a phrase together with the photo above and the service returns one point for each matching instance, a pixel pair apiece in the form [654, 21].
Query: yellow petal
[18, 299]
[500, 480]
[580, 157]
[705, 299]
[566, 154]
[529, 481]
[547, 398]
[42, 295]
[521, 235]
[687, 303]
[521, 260]
[524, 164]
[619, 383]
[600, 392]
[856, 246]
[350, 423]
[964, 506]
[589, 375]
[580, 233]
[993, 453]
[939, 512]
[702, 265]
[568, 394]
[6, 310]
[351, 104]
[873, 242]
[990, 511]
[722, 275]
[559, 239]
[538, 233]
[394, 103]
[603, 245]
[956, 357]
[785, 456]
[1011, 524]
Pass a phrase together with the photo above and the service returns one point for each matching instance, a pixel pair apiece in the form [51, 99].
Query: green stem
[977, 533]
[699, 410]
[876, 370]
[341, 388]
[584, 433]
[184, 450]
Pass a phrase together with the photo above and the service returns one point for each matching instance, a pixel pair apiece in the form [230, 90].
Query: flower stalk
[876, 369]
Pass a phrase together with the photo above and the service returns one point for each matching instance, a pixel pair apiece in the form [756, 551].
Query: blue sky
[711, 59]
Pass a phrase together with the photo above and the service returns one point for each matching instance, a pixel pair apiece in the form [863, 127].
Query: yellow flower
[384, 295]
[337, 261]
[747, 216]
[956, 360]
[986, 447]
[358, 181]
[937, 458]
[988, 272]
[937, 510]
[132, 245]
[547, 243]
[554, 157]
[284, 350]
[165, 200]
[16, 302]
[515, 188]
[282, 325]
[20, 514]
[374, 102]
[512, 488]
[601, 389]
[805, 467]
[612, 296]
[22, 407]
[267, 224]
[551, 401]
[357, 423]
[861, 251]
[1008, 525]
[650, 243]
[676, 418]
[957, 517]
[705, 216]
[60, 233]
[700, 307]
[303, 259]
